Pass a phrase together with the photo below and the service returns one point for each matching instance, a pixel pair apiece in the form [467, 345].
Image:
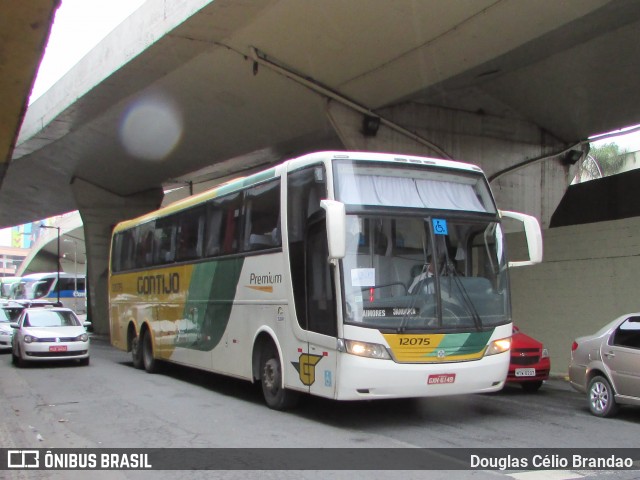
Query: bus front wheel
[275, 395]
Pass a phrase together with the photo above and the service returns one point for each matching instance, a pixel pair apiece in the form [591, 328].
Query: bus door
[321, 314]
[312, 281]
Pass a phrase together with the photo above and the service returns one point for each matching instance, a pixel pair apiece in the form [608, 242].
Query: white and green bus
[347, 275]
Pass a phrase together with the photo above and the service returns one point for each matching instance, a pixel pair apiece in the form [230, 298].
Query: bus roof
[288, 165]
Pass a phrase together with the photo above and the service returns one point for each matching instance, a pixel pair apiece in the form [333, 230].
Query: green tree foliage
[609, 157]
[602, 161]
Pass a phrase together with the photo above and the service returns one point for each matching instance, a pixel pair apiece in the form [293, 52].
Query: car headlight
[82, 338]
[364, 349]
[545, 353]
[498, 346]
[28, 339]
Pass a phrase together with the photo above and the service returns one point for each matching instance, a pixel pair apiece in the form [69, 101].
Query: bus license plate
[525, 372]
[58, 348]
[441, 379]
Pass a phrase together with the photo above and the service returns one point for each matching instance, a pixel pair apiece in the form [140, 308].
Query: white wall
[589, 276]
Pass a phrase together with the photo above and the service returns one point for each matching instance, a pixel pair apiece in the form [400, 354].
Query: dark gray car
[606, 365]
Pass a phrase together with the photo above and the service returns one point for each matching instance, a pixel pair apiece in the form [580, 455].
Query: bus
[347, 275]
[7, 285]
[45, 286]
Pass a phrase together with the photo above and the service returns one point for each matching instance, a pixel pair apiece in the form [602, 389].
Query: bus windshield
[424, 249]
[400, 274]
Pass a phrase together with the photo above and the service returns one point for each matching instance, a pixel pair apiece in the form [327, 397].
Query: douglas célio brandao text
[550, 461]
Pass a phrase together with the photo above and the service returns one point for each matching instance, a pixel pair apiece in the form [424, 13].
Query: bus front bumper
[365, 378]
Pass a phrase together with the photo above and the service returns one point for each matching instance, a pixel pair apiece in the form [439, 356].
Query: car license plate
[58, 348]
[441, 379]
[525, 372]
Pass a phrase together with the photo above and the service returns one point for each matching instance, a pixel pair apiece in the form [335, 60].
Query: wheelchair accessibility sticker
[440, 226]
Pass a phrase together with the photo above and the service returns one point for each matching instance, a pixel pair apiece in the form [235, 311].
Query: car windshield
[50, 318]
[425, 273]
[4, 315]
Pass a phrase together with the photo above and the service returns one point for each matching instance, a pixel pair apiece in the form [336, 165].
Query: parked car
[6, 332]
[49, 334]
[530, 363]
[606, 365]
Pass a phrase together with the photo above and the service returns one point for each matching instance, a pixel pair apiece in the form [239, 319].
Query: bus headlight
[364, 349]
[498, 346]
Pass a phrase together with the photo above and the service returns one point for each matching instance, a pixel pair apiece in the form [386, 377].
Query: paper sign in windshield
[363, 277]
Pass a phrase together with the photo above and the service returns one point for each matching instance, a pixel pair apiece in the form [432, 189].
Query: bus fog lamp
[499, 346]
[369, 350]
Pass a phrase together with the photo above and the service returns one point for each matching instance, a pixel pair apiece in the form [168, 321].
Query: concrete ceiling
[174, 89]
[24, 30]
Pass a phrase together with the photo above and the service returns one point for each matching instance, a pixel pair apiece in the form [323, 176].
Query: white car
[6, 332]
[43, 334]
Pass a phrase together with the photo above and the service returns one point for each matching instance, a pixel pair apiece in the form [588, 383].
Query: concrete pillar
[100, 211]
[489, 141]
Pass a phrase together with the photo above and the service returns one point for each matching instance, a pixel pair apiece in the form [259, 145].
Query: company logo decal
[158, 284]
[264, 283]
[306, 367]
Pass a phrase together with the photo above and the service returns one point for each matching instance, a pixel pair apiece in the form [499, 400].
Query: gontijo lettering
[158, 284]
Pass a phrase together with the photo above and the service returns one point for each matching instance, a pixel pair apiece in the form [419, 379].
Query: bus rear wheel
[275, 395]
[150, 363]
[136, 352]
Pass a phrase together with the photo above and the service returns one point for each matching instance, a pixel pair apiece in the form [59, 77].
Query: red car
[530, 363]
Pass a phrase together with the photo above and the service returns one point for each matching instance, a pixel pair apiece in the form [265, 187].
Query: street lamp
[57, 262]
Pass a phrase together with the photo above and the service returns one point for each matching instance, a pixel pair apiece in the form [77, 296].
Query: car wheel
[16, 359]
[136, 353]
[601, 397]
[84, 361]
[531, 387]
[275, 396]
[150, 363]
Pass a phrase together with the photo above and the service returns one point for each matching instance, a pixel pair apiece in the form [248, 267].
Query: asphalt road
[109, 404]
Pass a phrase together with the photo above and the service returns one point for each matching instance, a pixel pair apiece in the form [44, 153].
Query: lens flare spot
[151, 128]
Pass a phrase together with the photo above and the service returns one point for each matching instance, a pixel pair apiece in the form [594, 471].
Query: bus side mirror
[534, 237]
[336, 228]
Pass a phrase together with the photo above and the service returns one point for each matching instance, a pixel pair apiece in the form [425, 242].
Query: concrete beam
[489, 141]
[100, 211]
[24, 30]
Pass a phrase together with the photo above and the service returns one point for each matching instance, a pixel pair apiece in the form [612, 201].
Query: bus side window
[127, 250]
[165, 241]
[213, 230]
[262, 213]
[230, 206]
[144, 245]
[190, 234]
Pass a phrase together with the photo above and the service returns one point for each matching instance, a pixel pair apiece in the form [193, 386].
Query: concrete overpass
[192, 93]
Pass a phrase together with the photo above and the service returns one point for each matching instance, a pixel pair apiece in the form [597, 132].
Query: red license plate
[441, 379]
[58, 348]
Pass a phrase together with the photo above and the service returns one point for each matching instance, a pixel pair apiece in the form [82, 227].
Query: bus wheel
[275, 396]
[136, 352]
[150, 363]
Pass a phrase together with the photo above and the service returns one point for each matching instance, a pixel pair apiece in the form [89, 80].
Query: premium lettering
[159, 284]
[267, 279]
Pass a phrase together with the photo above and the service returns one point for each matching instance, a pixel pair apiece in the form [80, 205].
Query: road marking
[547, 475]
